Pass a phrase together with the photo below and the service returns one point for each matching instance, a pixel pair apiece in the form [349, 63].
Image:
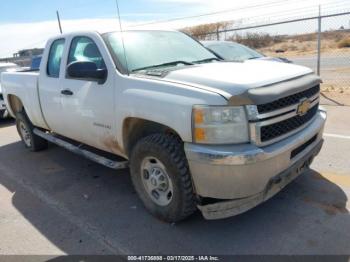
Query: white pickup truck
[195, 131]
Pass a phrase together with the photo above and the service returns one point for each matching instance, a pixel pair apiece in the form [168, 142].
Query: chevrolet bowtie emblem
[303, 106]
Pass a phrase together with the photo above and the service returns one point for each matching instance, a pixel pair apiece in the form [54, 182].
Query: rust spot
[329, 208]
[112, 145]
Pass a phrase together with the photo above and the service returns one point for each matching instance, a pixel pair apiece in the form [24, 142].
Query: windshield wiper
[206, 60]
[254, 57]
[174, 63]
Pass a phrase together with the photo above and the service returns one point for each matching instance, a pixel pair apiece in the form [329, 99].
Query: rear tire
[161, 177]
[25, 130]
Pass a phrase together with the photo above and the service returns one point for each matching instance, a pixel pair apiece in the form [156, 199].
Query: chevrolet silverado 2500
[195, 131]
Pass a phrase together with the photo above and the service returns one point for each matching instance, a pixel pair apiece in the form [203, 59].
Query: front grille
[275, 130]
[288, 101]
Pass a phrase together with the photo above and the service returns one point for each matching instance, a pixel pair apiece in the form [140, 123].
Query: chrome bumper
[244, 171]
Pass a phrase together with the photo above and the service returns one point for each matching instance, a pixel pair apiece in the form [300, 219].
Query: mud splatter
[112, 145]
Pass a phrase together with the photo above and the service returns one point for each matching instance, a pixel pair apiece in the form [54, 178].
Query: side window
[55, 57]
[84, 49]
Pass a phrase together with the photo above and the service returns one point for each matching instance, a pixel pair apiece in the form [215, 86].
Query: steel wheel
[156, 181]
[25, 134]
[25, 130]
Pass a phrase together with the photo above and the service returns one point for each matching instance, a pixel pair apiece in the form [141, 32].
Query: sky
[29, 23]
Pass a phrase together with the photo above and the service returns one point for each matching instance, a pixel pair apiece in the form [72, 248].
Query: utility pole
[319, 41]
[217, 32]
[59, 21]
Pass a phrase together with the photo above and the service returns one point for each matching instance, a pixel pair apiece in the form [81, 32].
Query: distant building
[23, 57]
[29, 52]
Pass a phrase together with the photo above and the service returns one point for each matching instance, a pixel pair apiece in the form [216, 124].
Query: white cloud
[16, 36]
[28, 35]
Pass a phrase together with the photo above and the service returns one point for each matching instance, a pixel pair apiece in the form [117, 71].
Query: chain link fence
[320, 42]
[335, 53]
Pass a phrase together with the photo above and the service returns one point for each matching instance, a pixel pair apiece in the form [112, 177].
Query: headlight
[220, 125]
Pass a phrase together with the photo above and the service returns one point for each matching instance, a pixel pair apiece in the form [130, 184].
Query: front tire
[161, 177]
[25, 130]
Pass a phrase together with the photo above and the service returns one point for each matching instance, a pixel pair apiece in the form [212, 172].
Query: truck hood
[252, 81]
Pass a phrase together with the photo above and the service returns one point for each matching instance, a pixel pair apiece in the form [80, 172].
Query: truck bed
[25, 86]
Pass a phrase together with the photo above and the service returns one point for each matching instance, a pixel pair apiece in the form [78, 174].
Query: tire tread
[38, 143]
[173, 146]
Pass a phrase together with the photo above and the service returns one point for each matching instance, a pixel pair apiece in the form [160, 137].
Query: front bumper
[240, 176]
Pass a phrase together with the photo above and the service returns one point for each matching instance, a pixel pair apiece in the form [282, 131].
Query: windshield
[147, 49]
[234, 51]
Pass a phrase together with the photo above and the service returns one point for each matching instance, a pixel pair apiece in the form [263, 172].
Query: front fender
[165, 103]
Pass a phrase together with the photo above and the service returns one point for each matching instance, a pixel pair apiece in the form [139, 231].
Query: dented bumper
[242, 176]
[230, 208]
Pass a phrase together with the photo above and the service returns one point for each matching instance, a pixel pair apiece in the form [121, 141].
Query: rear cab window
[55, 58]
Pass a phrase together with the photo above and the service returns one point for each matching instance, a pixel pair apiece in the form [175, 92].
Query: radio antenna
[59, 21]
[122, 36]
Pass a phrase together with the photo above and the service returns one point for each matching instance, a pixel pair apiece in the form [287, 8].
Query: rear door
[87, 105]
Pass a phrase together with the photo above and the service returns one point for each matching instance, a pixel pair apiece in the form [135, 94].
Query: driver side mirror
[86, 70]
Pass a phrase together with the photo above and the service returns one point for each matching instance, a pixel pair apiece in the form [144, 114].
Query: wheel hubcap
[25, 134]
[156, 181]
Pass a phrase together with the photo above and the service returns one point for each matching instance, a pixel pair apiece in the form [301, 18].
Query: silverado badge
[303, 106]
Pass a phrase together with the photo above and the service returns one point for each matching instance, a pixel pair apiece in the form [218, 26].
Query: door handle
[67, 92]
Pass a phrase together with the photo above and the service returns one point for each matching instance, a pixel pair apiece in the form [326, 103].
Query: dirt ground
[302, 45]
[308, 48]
[338, 98]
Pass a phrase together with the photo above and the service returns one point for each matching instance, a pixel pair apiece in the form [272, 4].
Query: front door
[49, 82]
[88, 106]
